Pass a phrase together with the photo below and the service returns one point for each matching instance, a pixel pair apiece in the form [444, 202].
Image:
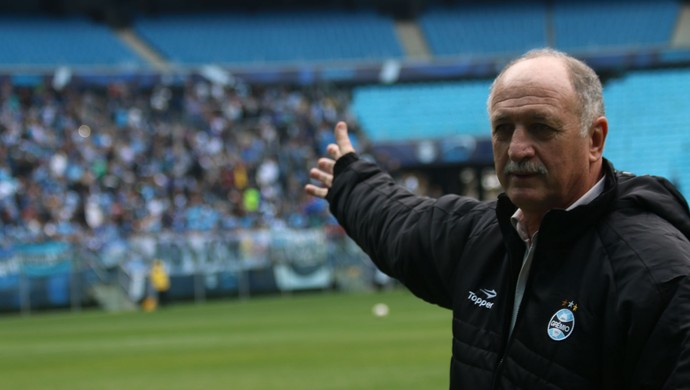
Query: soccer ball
[380, 310]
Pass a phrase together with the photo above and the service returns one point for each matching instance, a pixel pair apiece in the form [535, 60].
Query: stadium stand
[268, 37]
[648, 112]
[45, 41]
[583, 26]
[480, 29]
[141, 149]
[422, 111]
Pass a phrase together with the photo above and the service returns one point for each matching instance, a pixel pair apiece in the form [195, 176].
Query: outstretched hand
[323, 172]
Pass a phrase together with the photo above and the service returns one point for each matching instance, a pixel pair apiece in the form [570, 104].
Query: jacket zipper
[501, 360]
[509, 314]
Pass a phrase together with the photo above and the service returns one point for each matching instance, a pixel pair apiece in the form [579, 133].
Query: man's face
[541, 159]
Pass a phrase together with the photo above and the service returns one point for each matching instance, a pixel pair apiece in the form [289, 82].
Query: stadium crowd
[111, 161]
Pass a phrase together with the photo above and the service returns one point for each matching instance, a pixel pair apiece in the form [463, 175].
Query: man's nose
[521, 146]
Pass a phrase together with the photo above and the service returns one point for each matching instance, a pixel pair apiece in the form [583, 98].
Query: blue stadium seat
[74, 41]
[427, 110]
[269, 37]
[648, 114]
[502, 28]
[472, 29]
[593, 25]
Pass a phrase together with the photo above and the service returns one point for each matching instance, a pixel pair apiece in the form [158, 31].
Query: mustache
[524, 168]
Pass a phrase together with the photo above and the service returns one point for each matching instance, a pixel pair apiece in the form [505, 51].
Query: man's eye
[502, 130]
[542, 130]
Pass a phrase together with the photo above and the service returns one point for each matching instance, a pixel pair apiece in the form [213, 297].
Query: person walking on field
[576, 277]
[160, 281]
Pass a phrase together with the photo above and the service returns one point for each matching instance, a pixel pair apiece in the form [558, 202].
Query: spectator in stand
[92, 162]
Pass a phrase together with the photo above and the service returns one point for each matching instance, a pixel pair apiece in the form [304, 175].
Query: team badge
[561, 325]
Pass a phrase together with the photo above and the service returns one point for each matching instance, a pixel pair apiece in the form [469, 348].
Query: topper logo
[481, 302]
[489, 293]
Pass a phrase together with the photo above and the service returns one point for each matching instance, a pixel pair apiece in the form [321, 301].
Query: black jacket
[607, 302]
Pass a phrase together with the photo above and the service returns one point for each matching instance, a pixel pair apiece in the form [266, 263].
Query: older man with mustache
[576, 277]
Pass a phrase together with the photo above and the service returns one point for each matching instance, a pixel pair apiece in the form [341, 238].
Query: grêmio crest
[562, 323]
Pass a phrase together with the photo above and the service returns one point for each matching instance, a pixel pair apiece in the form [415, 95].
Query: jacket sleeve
[665, 359]
[407, 236]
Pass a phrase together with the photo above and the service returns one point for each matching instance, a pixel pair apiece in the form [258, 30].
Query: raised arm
[392, 225]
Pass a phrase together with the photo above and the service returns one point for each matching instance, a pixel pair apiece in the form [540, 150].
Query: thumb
[342, 138]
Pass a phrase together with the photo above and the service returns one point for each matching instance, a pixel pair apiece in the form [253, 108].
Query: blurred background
[183, 130]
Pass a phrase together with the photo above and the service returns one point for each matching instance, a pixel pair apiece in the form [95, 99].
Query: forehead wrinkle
[533, 112]
[516, 96]
[539, 102]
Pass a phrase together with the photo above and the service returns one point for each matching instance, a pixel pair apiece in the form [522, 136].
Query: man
[576, 277]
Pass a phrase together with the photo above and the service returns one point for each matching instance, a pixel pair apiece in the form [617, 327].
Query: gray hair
[583, 78]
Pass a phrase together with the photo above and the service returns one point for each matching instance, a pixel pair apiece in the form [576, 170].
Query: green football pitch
[303, 341]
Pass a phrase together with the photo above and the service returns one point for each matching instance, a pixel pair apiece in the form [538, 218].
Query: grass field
[307, 341]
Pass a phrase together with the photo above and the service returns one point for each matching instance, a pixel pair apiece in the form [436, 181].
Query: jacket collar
[558, 225]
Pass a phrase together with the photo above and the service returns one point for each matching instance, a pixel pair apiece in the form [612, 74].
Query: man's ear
[597, 138]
